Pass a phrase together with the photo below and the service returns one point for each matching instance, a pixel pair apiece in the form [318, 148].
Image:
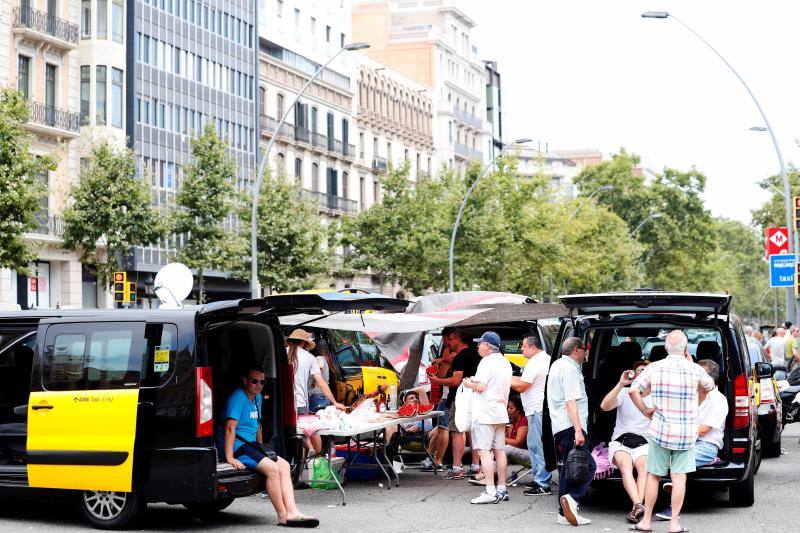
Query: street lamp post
[643, 222]
[466, 197]
[265, 159]
[793, 240]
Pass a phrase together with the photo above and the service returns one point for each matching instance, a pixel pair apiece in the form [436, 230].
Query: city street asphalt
[426, 503]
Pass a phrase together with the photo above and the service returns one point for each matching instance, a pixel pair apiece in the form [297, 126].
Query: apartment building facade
[39, 58]
[430, 41]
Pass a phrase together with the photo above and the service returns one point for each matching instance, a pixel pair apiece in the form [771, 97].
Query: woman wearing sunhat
[306, 368]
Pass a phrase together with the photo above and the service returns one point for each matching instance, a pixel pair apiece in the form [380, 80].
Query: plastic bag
[464, 398]
[322, 478]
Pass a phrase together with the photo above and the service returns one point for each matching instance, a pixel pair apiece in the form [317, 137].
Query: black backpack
[578, 466]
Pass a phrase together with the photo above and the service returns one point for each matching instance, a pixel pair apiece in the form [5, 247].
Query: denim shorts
[444, 420]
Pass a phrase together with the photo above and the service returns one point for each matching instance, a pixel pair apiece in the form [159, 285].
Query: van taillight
[205, 403]
[741, 402]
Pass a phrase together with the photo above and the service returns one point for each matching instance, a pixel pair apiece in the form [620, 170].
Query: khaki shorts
[452, 424]
[488, 436]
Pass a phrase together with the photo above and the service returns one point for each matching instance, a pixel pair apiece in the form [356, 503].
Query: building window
[117, 18]
[345, 179]
[313, 29]
[341, 40]
[328, 34]
[102, 19]
[280, 8]
[50, 85]
[100, 95]
[279, 109]
[296, 24]
[313, 120]
[86, 19]
[315, 177]
[85, 88]
[23, 76]
[298, 169]
[362, 193]
[376, 191]
[262, 100]
[116, 97]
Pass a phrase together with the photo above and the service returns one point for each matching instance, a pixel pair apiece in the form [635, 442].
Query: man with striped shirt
[675, 383]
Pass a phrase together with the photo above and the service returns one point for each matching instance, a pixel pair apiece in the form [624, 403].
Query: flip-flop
[681, 530]
[635, 527]
[306, 521]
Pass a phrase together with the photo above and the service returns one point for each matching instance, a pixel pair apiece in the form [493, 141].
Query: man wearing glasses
[569, 411]
[244, 449]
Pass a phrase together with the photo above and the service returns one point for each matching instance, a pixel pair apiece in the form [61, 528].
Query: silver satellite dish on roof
[173, 284]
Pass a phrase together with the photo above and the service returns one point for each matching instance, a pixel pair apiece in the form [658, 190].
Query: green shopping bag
[322, 478]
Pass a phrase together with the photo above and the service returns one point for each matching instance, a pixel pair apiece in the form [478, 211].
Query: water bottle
[393, 397]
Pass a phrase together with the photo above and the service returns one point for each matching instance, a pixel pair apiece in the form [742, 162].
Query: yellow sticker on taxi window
[161, 359]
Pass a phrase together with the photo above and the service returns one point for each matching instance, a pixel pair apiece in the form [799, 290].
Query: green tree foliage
[402, 237]
[206, 200]
[111, 211]
[676, 245]
[293, 250]
[20, 191]
[740, 269]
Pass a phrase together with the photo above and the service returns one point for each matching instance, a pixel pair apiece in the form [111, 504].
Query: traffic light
[131, 294]
[120, 284]
[796, 278]
[796, 213]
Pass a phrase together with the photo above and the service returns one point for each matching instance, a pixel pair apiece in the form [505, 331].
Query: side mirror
[764, 370]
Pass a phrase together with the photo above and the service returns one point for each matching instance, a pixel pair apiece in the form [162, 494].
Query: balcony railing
[54, 117]
[332, 202]
[268, 125]
[337, 146]
[319, 140]
[468, 118]
[49, 225]
[467, 152]
[302, 134]
[42, 22]
[380, 163]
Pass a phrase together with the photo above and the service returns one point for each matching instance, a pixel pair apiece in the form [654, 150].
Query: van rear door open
[83, 405]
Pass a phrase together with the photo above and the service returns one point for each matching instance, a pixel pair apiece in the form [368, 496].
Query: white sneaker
[485, 497]
[562, 520]
[582, 520]
[570, 509]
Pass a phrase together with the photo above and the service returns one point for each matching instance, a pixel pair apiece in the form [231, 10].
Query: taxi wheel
[110, 510]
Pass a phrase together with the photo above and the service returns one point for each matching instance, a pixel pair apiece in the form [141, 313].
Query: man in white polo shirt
[531, 388]
[491, 384]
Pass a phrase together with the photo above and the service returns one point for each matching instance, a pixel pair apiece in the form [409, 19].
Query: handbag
[577, 466]
[631, 440]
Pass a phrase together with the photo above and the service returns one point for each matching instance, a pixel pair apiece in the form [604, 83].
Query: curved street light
[264, 160]
[786, 189]
[643, 222]
[597, 190]
[466, 197]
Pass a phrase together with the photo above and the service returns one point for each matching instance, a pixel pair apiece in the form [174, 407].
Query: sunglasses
[255, 381]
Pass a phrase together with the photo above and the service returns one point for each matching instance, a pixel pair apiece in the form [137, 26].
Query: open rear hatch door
[648, 301]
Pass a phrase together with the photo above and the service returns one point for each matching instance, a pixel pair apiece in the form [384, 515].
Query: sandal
[636, 527]
[636, 514]
[681, 530]
[304, 521]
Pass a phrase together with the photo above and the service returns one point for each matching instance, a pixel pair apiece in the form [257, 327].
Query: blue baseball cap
[490, 337]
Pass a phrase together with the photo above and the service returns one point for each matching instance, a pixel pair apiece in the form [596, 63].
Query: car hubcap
[104, 505]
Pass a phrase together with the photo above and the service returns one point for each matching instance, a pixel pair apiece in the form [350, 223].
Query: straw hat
[304, 336]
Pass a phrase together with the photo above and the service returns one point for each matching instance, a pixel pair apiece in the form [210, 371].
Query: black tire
[208, 508]
[771, 449]
[111, 510]
[743, 494]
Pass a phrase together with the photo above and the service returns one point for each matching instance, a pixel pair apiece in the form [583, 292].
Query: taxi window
[158, 361]
[103, 357]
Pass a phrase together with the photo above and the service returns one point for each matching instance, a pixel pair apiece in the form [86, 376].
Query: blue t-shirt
[246, 412]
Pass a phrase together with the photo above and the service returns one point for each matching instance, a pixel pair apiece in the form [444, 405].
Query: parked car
[604, 320]
[767, 399]
[119, 408]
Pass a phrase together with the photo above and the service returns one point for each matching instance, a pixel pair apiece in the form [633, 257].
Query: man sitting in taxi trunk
[244, 449]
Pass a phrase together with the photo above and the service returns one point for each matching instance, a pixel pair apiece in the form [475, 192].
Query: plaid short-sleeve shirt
[674, 383]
